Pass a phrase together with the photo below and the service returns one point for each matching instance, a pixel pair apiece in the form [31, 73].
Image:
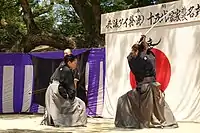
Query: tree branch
[89, 12]
[59, 42]
[28, 17]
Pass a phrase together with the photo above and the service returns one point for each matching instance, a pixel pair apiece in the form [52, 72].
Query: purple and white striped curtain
[16, 83]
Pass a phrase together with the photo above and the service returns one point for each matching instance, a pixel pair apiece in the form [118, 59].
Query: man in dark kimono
[143, 107]
[80, 93]
[55, 76]
[62, 105]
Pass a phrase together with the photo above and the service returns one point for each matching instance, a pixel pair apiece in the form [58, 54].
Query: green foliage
[12, 27]
[112, 6]
[68, 22]
[117, 5]
[53, 16]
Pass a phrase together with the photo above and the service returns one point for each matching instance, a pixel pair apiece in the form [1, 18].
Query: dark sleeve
[66, 83]
[131, 60]
[130, 57]
[137, 65]
[76, 75]
[150, 52]
[55, 75]
[153, 62]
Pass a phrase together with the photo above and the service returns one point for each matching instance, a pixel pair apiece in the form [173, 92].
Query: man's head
[71, 61]
[67, 52]
[134, 49]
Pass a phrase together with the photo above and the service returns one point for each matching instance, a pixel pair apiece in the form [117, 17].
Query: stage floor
[31, 124]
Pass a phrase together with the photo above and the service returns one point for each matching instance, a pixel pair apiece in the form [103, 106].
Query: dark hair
[142, 43]
[140, 47]
[70, 58]
[135, 47]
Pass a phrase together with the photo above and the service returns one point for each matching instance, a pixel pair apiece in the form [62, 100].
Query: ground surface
[31, 124]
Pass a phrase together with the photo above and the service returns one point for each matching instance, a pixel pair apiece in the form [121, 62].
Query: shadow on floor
[29, 131]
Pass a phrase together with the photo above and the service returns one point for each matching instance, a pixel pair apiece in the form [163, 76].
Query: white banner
[170, 13]
[180, 46]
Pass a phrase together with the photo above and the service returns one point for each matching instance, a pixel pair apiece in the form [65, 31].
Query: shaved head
[67, 52]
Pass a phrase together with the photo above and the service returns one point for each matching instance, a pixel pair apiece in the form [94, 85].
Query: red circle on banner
[163, 70]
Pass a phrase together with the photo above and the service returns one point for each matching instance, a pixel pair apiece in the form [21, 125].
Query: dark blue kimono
[63, 108]
[140, 108]
[143, 66]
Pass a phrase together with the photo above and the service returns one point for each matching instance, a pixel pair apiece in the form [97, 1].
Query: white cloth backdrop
[181, 44]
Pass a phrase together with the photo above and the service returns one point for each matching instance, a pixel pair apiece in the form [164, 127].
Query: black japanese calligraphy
[166, 18]
[125, 22]
[155, 18]
[197, 10]
[183, 14]
[109, 24]
[175, 15]
[131, 21]
[137, 19]
[190, 12]
[121, 22]
[150, 18]
[115, 23]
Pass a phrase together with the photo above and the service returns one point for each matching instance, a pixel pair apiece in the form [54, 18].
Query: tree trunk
[90, 15]
[28, 18]
[36, 37]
